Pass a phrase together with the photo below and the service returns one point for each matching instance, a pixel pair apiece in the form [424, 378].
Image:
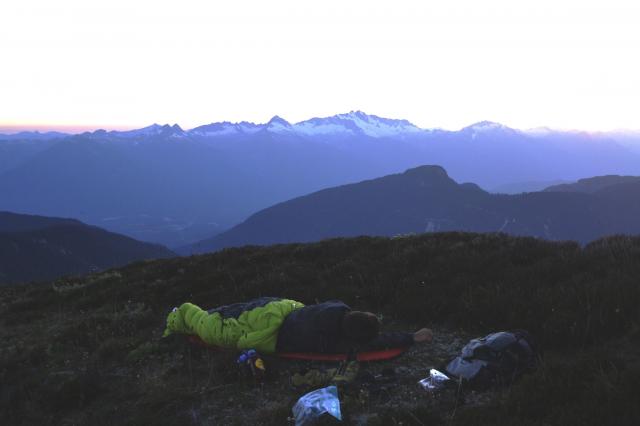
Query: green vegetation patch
[88, 350]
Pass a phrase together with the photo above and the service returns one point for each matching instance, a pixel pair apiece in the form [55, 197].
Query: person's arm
[390, 339]
[424, 335]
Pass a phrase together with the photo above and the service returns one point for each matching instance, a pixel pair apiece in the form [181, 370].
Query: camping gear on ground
[254, 324]
[343, 375]
[498, 358]
[251, 364]
[311, 406]
[365, 356]
[436, 381]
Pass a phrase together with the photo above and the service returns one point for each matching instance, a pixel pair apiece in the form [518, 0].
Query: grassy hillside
[87, 351]
[37, 248]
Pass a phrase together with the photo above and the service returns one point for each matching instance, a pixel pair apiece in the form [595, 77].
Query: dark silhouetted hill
[426, 199]
[594, 184]
[36, 248]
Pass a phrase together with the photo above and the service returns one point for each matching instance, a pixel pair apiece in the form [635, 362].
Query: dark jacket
[318, 329]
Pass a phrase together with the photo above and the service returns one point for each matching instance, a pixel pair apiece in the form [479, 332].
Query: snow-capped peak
[485, 126]
[215, 129]
[152, 130]
[278, 125]
[539, 131]
[279, 120]
[352, 123]
[355, 122]
[225, 128]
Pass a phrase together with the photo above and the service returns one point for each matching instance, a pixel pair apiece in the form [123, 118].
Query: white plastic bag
[314, 404]
[435, 381]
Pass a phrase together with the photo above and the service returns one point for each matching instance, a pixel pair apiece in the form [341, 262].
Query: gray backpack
[496, 359]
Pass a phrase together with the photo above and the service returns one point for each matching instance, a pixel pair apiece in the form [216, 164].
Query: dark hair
[361, 327]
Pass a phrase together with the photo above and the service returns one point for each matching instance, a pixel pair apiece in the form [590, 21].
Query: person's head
[361, 327]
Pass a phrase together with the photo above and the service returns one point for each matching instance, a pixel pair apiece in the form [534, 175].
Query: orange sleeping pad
[373, 355]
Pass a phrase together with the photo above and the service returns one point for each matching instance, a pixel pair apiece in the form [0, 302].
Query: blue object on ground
[314, 404]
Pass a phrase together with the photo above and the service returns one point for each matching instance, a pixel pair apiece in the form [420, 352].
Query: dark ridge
[593, 184]
[426, 199]
[37, 248]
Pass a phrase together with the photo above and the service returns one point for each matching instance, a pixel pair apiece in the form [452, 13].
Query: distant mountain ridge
[354, 122]
[351, 122]
[35, 135]
[34, 248]
[13, 222]
[594, 184]
[426, 199]
[173, 186]
[345, 124]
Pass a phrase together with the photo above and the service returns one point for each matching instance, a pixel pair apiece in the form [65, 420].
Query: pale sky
[447, 63]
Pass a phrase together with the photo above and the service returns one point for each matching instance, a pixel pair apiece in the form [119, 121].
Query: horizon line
[72, 129]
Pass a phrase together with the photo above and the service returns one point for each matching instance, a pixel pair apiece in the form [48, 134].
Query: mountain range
[36, 248]
[173, 186]
[426, 199]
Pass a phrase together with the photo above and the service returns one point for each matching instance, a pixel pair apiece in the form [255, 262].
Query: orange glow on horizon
[63, 128]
